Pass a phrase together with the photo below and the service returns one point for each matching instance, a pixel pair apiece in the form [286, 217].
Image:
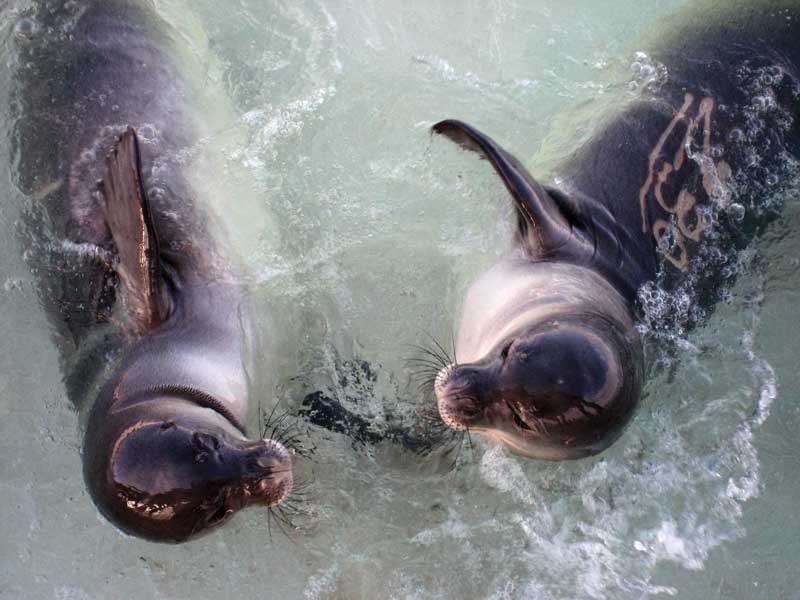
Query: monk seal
[150, 316]
[549, 358]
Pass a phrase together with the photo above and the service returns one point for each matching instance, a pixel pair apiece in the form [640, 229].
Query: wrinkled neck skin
[200, 347]
[516, 291]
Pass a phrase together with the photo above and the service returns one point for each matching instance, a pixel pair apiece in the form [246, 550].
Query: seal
[549, 356]
[151, 319]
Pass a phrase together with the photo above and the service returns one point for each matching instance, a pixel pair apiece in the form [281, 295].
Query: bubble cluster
[648, 74]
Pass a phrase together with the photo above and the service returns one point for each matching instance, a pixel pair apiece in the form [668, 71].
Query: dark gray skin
[549, 358]
[148, 312]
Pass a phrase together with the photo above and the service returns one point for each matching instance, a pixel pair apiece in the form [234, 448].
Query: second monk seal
[549, 355]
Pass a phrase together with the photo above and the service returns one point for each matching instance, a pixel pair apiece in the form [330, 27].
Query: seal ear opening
[547, 223]
[128, 214]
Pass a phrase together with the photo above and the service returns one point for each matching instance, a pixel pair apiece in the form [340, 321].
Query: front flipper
[128, 214]
[548, 225]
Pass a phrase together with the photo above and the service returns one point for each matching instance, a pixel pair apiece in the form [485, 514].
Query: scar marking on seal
[683, 206]
[655, 153]
[660, 227]
[132, 429]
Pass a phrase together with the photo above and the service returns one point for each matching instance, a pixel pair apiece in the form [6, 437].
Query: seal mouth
[458, 405]
[457, 410]
[274, 480]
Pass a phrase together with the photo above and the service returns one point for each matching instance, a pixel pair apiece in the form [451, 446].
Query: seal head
[181, 470]
[556, 389]
[551, 361]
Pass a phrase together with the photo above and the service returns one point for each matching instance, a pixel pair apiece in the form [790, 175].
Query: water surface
[361, 234]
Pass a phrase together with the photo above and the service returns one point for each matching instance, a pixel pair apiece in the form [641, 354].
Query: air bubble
[12, 284]
[736, 135]
[736, 211]
[26, 29]
[772, 179]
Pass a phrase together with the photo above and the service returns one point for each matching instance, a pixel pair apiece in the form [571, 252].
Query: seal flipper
[128, 214]
[548, 224]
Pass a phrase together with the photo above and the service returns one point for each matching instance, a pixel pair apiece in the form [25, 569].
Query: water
[361, 234]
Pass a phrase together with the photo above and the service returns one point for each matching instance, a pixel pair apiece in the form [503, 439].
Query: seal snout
[457, 398]
[268, 479]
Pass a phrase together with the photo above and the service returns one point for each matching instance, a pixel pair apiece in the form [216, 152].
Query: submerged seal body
[152, 324]
[549, 356]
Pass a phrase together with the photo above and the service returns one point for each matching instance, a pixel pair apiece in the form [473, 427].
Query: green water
[361, 234]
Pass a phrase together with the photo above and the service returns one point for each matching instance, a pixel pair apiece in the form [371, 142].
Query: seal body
[149, 315]
[549, 360]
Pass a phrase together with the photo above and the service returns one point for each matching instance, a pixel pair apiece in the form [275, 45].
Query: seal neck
[516, 292]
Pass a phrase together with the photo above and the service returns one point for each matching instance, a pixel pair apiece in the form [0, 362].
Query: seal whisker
[424, 362]
[270, 515]
[293, 438]
[277, 423]
[440, 360]
[283, 519]
[422, 378]
[425, 387]
[427, 371]
[469, 441]
[441, 349]
[268, 419]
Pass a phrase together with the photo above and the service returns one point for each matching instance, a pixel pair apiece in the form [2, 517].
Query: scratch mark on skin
[656, 152]
[714, 175]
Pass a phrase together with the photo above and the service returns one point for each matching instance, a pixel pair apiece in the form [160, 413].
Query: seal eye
[218, 515]
[520, 423]
[518, 420]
